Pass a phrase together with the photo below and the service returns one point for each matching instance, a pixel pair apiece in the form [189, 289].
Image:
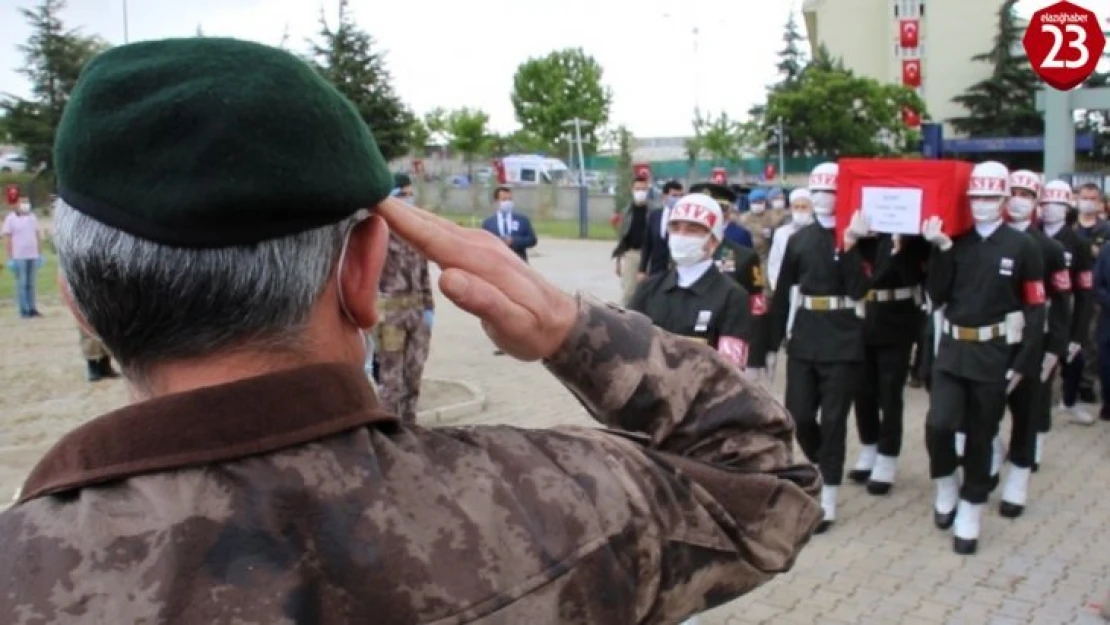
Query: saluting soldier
[741, 263]
[1026, 399]
[817, 309]
[990, 283]
[694, 299]
[1056, 197]
[761, 222]
[890, 329]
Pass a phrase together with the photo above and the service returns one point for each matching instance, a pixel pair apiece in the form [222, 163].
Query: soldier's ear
[362, 270]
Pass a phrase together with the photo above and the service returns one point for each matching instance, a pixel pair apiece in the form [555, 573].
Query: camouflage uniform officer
[97, 359]
[762, 222]
[407, 307]
[256, 477]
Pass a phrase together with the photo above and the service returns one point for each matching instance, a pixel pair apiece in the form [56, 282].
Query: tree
[519, 141]
[1002, 105]
[551, 90]
[468, 134]
[53, 59]
[721, 137]
[623, 196]
[791, 58]
[347, 57]
[419, 137]
[834, 113]
[693, 150]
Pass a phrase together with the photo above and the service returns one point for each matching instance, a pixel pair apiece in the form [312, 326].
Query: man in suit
[512, 228]
[655, 257]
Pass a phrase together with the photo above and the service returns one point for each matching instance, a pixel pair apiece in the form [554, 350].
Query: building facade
[925, 44]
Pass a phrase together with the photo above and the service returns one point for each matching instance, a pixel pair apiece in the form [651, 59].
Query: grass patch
[46, 280]
[545, 228]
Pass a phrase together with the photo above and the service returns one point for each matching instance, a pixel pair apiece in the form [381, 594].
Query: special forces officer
[1056, 197]
[741, 263]
[890, 329]
[694, 299]
[762, 221]
[990, 283]
[817, 308]
[1026, 399]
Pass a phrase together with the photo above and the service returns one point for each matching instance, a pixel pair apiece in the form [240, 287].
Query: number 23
[1052, 61]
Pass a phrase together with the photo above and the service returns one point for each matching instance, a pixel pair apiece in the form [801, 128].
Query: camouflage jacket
[763, 226]
[406, 273]
[291, 498]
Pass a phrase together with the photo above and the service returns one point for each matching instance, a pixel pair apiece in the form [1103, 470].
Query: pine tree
[346, 56]
[792, 59]
[624, 170]
[1002, 105]
[53, 59]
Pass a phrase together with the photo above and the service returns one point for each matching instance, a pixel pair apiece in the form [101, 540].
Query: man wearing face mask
[801, 215]
[988, 286]
[1028, 411]
[514, 229]
[761, 222]
[817, 310]
[1091, 226]
[630, 243]
[1056, 198]
[695, 299]
[655, 258]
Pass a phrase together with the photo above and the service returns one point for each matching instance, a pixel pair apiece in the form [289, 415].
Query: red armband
[733, 350]
[757, 304]
[1085, 280]
[1061, 281]
[1033, 292]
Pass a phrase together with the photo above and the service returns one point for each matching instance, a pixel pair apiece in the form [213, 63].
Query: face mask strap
[359, 217]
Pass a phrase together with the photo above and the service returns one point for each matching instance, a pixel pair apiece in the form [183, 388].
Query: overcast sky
[456, 53]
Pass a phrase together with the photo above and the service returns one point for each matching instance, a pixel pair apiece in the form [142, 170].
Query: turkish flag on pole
[911, 73]
[908, 33]
[911, 118]
[11, 194]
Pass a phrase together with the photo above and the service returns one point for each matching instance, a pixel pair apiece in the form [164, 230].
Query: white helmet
[1025, 179]
[1057, 192]
[699, 208]
[823, 177]
[989, 179]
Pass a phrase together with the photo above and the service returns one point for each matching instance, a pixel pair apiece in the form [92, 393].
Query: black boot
[94, 372]
[106, 368]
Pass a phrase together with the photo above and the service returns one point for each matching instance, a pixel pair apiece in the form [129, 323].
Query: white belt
[827, 302]
[893, 295]
[980, 334]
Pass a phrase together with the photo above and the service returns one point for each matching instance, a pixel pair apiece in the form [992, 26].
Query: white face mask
[986, 211]
[687, 249]
[1054, 213]
[1021, 208]
[824, 202]
[505, 206]
[778, 204]
[639, 197]
[758, 207]
[1088, 206]
[801, 218]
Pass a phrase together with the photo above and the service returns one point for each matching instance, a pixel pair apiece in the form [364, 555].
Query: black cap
[719, 192]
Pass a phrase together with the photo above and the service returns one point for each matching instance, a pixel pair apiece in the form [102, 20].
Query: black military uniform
[1080, 259]
[815, 308]
[980, 282]
[742, 264]
[711, 308]
[893, 316]
[1095, 236]
[1025, 400]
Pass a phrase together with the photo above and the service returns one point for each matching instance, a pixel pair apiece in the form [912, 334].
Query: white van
[525, 169]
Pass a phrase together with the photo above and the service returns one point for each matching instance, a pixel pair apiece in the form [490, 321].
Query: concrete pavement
[883, 563]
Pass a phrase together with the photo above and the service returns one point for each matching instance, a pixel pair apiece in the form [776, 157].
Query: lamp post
[126, 34]
[780, 137]
[583, 195]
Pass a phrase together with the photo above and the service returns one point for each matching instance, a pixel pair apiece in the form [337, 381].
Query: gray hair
[150, 303]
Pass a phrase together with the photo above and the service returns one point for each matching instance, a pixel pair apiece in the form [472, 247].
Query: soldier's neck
[826, 221]
[692, 273]
[1052, 229]
[1020, 225]
[1088, 219]
[987, 228]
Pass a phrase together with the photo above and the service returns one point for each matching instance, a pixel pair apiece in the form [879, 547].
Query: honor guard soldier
[694, 299]
[741, 263]
[817, 309]
[890, 329]
[1056, 197]
[761, 222]
[990, 283]
[1026, 399]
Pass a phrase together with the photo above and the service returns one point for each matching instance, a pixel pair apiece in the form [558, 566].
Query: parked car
[13, 163]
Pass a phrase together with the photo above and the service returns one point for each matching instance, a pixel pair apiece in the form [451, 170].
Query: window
[896, 10]
[921, 8]
[527, 175]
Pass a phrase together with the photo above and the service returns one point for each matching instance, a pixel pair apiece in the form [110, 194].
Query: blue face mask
[671, 201]
[505, 206]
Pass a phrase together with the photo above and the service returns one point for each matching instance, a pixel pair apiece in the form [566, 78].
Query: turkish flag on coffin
[908, 31]
[911, 72]
[943, 185]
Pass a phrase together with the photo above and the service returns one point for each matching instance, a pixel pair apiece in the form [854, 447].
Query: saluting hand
[524, 315]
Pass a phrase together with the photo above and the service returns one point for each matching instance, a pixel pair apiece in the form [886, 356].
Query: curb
[450, 413]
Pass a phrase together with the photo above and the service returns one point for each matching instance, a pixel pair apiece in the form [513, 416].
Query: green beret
[400, 181]
[719, 192]
[208, 142]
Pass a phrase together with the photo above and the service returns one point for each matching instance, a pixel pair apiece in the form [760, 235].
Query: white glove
[1015, 378]
[895, 244]
[933, 231]
[857, 229]
[1073, 351]
[1047, 365]
[755, 374]
[772, 362]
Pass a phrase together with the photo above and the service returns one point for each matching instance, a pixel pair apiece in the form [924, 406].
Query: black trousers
[979, 406]
[829, 388]
[1025, 404]
[1043, 419]
[879, 403]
